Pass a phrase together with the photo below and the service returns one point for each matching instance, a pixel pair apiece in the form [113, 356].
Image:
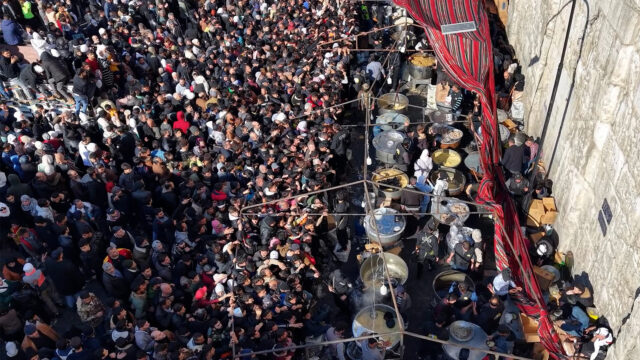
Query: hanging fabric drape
[467, 58]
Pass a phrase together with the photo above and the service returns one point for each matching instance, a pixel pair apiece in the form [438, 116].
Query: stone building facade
[595, 124]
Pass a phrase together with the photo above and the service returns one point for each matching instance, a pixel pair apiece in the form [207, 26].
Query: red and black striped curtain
[467, 59]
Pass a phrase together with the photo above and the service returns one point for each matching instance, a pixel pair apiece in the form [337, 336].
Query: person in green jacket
[29, 17]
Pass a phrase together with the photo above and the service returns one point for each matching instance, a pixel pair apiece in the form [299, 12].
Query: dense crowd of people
[179, 114]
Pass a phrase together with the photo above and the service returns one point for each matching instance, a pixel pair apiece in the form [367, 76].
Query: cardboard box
[513, 127]
[533, 218]
[550, 210]
[529, 329]
[545, 278]
[542, 212]
[536, 212]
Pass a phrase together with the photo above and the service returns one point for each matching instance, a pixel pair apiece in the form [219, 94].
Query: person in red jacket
[181, 123]
[92, 61]
[217, 194]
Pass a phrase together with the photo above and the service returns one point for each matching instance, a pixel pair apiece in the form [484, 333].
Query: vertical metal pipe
[552, 101]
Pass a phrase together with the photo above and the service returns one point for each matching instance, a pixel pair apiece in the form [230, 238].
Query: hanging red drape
[467, 58]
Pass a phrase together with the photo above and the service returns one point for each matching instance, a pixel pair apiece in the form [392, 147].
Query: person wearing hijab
[29, 204]
[423, 165]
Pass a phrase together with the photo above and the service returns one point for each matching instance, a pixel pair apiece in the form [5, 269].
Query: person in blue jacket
[11, 31]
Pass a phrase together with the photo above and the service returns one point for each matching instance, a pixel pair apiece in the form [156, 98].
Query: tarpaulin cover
[467, 58]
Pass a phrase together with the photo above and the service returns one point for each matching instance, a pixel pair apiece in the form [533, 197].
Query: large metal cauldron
[420, 66]
[469, 334]
[446, 157]
[384, 227]
[380, 176]
[410, 39]
[391, 121]
[456, 180]
[372, 271]
[392, 102]
[449, 136]
[386, 143]
[371, 319]
[403, 23]
[442, 282]
[449, 210]
[472, 162]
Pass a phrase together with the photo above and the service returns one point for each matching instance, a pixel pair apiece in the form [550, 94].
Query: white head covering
[49, 170]
[423, 165]
[11, 348]
[218, 278]
[476, 235]
[4, 212]
[101, 51]
[219, 288]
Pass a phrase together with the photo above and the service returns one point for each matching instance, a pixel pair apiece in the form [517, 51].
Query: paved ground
[27, 53]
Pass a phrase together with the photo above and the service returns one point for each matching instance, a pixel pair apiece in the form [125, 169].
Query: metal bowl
[461, 331]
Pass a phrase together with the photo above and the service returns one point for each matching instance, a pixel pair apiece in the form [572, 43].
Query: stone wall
[597, 108]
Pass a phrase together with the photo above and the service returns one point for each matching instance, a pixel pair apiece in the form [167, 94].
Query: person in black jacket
[96, 189]
[9, 68]
[82, 90]
[513, 158]
[114, 282]
[126, 145]
[66, 277]
[57, 75]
